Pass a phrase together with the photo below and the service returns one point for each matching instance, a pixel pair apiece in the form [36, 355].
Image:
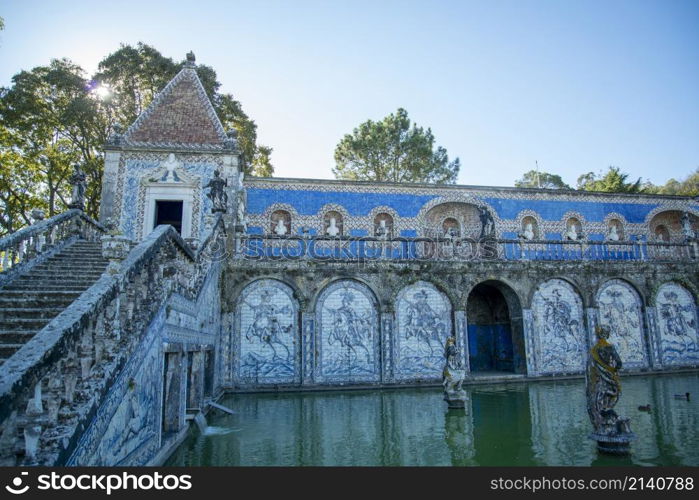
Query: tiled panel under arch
[423, 323]
[267, 336]
[619, 308]
[677, 325]
[559, 331]
[347, 334]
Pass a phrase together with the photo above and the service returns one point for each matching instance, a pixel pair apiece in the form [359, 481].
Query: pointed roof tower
[180, 117]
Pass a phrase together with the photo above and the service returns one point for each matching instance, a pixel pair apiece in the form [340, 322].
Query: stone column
[307, 347]
[461, 333]
[530, 342]
[387, 322]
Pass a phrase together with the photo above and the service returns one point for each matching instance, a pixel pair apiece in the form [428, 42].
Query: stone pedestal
[617, 444]
[456, 400]
[115, 248]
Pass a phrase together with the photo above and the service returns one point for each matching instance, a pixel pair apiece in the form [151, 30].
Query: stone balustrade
[52, 387]
[31, 244]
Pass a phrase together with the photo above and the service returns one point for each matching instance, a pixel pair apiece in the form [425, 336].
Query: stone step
[23, 324]
[15, 337]
[78, 258]
[37, 302]
[34, 294]
[7, 350]
[36, 282]
[57, 287]
[29, 312]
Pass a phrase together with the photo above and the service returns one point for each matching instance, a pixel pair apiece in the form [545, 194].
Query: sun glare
[103, 91]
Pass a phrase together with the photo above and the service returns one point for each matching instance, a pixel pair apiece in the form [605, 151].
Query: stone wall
[386, 323]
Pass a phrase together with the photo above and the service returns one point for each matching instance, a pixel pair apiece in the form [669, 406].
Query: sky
[573, 85]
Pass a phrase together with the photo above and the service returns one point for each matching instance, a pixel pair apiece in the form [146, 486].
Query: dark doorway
[169, 212]
[495, 333]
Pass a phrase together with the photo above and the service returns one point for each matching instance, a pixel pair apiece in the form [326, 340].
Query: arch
[384, 225]
[463, 207]
[266, 341]
[529, 224]
[333, 223]
[280, 223]
[559, 335]
[348, 341]
[322, 218]
[495, 328]
[667, 224]
[423, 323]
[678, 325]
[619, 307]
[585, 300]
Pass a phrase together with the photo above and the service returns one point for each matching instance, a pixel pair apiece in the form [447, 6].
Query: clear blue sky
[576, 85]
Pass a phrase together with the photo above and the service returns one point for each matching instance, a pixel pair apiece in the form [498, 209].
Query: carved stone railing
[28, 245]
[52, 386]
[362, 249]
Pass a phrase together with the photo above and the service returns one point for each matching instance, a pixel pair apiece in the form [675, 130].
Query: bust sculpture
[280, 229]
[613, 234]
[332, 229]
[528, 233]
[572, 233]
[382, 229]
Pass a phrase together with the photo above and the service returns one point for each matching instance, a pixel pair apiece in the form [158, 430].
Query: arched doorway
[495, 330]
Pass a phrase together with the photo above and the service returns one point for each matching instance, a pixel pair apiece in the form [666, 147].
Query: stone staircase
[32, 300]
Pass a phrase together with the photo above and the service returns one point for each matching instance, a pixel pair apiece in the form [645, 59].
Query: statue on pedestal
[79, 183]
[687, 230]
[612, 432]
[217, 194]
[453, 375]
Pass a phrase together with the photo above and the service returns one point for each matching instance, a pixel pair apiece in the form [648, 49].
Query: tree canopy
[54, 116]
[536, 179]
[612, 181]
[393, 150]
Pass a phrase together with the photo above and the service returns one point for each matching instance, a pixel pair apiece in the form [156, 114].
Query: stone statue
[217, 194]
[613, 234]
[280, 229]
[453, 375]
[382, 230]
[170, 165]
[332, 230]
[572, 233]
[612, 432]
[687, 230]
[487, 223]
[528, 233]
[78, 181]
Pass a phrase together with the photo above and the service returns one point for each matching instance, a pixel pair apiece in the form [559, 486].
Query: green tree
[134, 75]
[689, 186]
[536, 179]
[392, 150]
[613, 181]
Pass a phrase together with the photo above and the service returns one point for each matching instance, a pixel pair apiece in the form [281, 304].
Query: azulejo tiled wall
[619, 309]
[268, 334]
[677, 324]
[423, 323]
[307, 202]
[559, 331]
[347, 334]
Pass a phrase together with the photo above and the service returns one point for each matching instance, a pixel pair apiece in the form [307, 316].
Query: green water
[538, 423]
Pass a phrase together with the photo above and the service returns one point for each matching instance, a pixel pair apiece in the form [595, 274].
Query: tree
[536, 179]
[134, 75]
[687, 187]
[613, 181]
[392, 150]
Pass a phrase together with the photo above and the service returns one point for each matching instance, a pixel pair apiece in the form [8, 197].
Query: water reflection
[541, 423]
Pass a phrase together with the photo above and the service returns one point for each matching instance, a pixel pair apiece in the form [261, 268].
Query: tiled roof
[181, 116]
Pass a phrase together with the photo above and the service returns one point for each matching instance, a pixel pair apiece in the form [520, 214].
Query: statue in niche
[382, 230]
[79, 184]
[332, 229]
[423, 322]
[487, 222]
[612, 432]
[613, 233]
[528, 233]
[572, 233]
[280, 229]
[687, 230]
[453, 375]
[217, 193]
